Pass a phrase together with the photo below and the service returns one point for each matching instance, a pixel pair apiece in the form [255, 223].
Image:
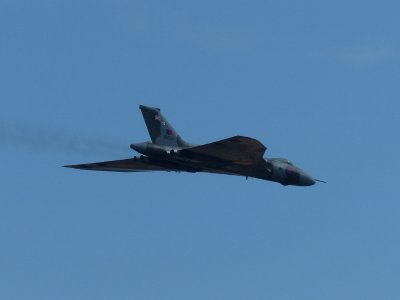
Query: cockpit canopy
[284, 160]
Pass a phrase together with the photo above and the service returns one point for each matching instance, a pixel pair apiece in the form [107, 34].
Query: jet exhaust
[34, 137]
[149, 149]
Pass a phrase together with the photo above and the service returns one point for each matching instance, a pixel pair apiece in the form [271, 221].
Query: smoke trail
[36, 137]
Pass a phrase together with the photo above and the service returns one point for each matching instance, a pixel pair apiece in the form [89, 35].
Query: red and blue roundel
[292, 176]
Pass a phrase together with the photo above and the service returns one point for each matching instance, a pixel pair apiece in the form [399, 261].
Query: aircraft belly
[250, 169]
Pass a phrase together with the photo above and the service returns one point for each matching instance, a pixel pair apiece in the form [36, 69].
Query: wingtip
[73, 166]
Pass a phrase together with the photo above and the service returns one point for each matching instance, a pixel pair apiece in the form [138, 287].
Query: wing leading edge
[123, 165]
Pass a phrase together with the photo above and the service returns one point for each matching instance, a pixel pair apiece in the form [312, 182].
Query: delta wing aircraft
[167, 151]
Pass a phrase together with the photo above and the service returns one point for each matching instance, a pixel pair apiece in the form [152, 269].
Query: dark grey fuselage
[176, 158]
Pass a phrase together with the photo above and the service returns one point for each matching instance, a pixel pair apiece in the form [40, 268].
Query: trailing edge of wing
[124, 165]
[235, 149]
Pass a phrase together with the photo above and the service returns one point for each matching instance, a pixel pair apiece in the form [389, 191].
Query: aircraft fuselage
[274, 169]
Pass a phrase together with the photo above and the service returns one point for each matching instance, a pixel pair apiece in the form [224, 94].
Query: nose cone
[306, 180]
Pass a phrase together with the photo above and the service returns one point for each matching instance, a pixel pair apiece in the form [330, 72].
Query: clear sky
[315, 81]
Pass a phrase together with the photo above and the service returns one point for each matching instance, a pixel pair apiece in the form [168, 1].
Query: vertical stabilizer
[160, 130]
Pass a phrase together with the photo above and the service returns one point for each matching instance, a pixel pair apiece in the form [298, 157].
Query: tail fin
[160, 130]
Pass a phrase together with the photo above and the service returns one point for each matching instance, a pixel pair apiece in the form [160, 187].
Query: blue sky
[315, 81]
